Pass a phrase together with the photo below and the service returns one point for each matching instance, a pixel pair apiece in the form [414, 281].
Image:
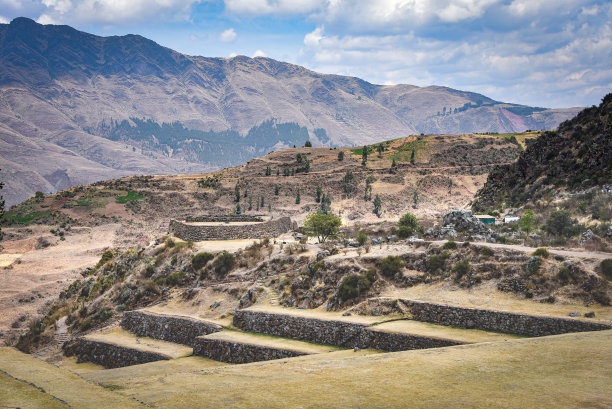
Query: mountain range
[76, 108]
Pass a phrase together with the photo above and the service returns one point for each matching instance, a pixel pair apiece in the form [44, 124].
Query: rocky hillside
[101, 107]
[575, 157]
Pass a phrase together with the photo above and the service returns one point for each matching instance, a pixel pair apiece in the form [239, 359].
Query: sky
[548, 53]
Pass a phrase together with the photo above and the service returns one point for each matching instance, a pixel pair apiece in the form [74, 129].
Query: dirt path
[566, 253]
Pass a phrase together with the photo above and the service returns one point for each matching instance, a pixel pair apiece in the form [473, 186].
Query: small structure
[511, 219]
[485, 218]
[229, 227]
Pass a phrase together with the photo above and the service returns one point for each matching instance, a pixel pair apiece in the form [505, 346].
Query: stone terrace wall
[330, 332]
[272, 228]
[498, 321]
[109, 355]
[238, 353]
[177, 329]
[226, 218]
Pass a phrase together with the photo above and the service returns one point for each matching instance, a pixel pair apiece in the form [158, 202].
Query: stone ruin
[229, 227]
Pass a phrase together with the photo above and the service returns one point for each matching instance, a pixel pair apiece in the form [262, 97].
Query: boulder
[464, 222]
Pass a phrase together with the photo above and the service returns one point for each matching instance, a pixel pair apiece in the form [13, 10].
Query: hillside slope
[83, 95]
[577, 155]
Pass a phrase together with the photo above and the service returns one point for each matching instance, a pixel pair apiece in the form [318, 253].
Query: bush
[353, 285]
[541, 252]
[106, 256]
[533, 265]
[224, 263]
[606, 268]
[461, 268]
[563, 274]
[175, 278]
[362, 237]
[436, 262]
[201, 259]
[391, 265]
[149, 271]
[560, 223]
[449, 245]
[486, 251]
[408, 224]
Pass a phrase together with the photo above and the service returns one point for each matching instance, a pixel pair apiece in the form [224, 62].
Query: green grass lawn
[131, 196]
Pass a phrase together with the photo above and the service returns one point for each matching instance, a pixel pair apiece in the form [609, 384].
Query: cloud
[263, 7]
[228, 35]
[259, 53]
[114, 12]
[4, 20]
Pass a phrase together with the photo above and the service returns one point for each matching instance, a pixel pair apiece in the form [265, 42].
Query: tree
[299, 158]
[250, 203]
[526, 222]
[322, 226]
[237, 193]
[364, 156]
[348, 183]
[308, 144]
[298, 199]
[560, 223]
[238, 209]
[325, 204]
[408, 224]
[393, 166]
[318, 196]
[341, 156]
[368, 188]
[362, 237]
[380, 149]
[412, 157]
[262, 202]
[415, 198]
[269, 171]
[276, 190]
[377, 205]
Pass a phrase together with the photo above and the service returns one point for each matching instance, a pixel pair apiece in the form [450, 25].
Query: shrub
[449, 245]
[175, 278]
[533, 265]
[391, 265]
[563, 274]
[606, 268]
[461, 268]
[201, 259]
[362, 237]
[541, 252]
[560, 223]
[486, 251]
[408, 223]
[436, 262]
[106, 256]
[353, 285]
[149, 271]
[322, 226]
[224, 263]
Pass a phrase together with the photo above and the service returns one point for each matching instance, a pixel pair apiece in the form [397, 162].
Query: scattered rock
[322, 254]
[589, 314]
[248, 299]
[215, 305]
[346, 314]
[415, 239]
[356, 349]
[574, 314]
[377, 240]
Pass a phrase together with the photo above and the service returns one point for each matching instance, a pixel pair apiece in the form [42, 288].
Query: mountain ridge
[58, 85]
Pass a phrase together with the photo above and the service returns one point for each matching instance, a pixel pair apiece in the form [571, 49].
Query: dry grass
[571, 371]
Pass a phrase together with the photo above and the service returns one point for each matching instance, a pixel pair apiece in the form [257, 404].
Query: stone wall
[226, 218]
[189, 232]
[177, 329]
[330, 332]
[109, 355]
[238, 353]
[497, 321]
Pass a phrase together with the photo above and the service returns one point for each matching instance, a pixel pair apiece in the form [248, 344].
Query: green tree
[349, 183]
[250, 203]
[393, 166]
[412, 157]
[318, 195]
[224, 263]
[262, 202]
[561, 223]
[362, 237]
[380, 149]
[299, 158]
[391, 265]
[364, 156]
[269, 171]
[325, 204]
[238, 209]
[322, 226]
[341, 156]
[308, 144]
[408, 224]
[276, 190]
[527, 220]
[367, 195]
[298, 199]
[377, 206]
[237, 193]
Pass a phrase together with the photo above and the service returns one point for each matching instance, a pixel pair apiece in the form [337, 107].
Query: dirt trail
[566, 253]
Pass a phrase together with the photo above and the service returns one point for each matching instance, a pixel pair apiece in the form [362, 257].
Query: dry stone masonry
[238, 352]
[110, 355]
[177, 329]
[191, 232]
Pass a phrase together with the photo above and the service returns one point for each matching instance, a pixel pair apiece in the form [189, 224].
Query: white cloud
[228, 35]
[313, 38]
[262, 7]
[259, 53]
[232, 55]
[4, 20]
[114, 12]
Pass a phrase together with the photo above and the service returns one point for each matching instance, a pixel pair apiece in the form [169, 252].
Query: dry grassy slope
[55, 100]
[448, 170]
